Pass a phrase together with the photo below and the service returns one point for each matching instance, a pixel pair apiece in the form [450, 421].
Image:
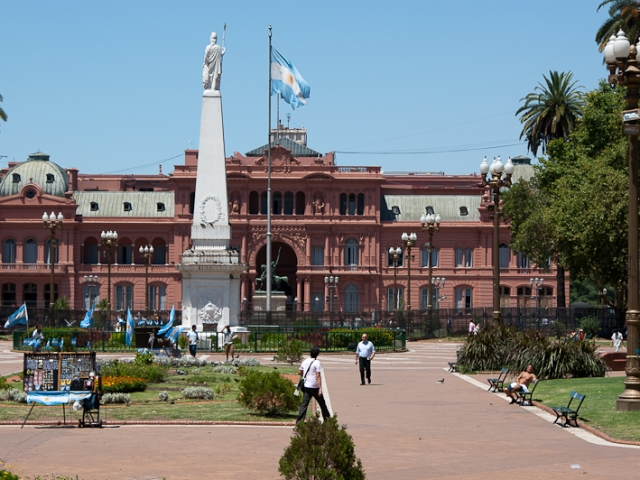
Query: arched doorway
[287, 267]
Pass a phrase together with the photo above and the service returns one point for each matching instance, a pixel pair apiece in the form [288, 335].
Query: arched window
[125, 252]
[464, 297]
[277, 203]
[343, 204]
[352, 204]
[425, 257]
[351, 252]
[361, 204]
[505, 255]
[30, 254]
[524, 297]
[30, 294]
[351, 298]
[300, 203]
[157, 297]
[263, 203]
[8, 294]
[288, 203]
[56, 249]
[254, 203]
[124, 297]
[464, 257]
[9, 251]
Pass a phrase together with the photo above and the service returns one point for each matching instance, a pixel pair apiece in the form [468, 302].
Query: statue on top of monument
[212, 66]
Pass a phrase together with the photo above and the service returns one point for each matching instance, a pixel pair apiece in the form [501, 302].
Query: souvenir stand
[63, 377]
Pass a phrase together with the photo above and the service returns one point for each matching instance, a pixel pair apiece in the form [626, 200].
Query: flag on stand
[129, 327]
[19, 317]
[287, 81]
[165, 328]
[88, 319]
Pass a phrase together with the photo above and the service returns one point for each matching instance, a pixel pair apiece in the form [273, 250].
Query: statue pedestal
[278, 301]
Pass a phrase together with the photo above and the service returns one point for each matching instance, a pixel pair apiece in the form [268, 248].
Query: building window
[192, 202]
[90, 292]
[288, 203]
[277, 203]
[395, 299]
[300, 203]
[159, 255]
[16, 178]
[30, 251]
[160, 207]
[317, 302]
[30, 294]
[127, 206]
[30, 194]
[429, 210]
[523, 261]
[145, 189]
[47, 296]
[157, 297]
[263, 203]
[424, 257]
[351, 298]
[343, 204]
[458, 257]
[254, 203]
[464, 211]
[351, 252]
[546, 297]
[125, 254]
[468, 257]
[400, 259]
[124, 297]
[94, 206]
[505, 255]
[352, 204]
[505, 297]
[317, 256]
[51, 178]
[361, 204]
[8, 294]
[524, 297]
[9, 251]
[424, 298]
[463, 298]
[48, 251]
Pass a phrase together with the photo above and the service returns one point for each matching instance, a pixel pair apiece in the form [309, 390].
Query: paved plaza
[405, 425]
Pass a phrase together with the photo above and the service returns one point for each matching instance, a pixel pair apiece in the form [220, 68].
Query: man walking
[192, 336]
[364, 354]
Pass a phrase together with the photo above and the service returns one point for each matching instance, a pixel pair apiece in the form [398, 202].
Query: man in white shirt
[37, 338]
[616, 340]
[311, 370]
[364, 354]
[192, 337]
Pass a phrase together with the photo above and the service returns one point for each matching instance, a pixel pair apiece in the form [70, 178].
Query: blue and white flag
[174, 333]
[165, 328]
[88, 319]
[48, 347]
[287, 81]
[19, 317]
[129, 327]
[61, 343]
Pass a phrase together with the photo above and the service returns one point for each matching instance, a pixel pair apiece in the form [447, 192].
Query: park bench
[496, 384]
[567, 412]
[453, 366]
[526, 398]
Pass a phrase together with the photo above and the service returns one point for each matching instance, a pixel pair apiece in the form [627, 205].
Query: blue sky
[116, 86]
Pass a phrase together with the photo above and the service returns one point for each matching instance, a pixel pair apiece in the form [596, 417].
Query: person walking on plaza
[616, 340]
[228, 341]
[472, 327]
[311, 371]
[192, 337]
[364, 354]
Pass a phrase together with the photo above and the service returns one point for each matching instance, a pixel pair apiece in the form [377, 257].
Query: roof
[111, 204]
[411, 207]
[297, 149]
[50, 176]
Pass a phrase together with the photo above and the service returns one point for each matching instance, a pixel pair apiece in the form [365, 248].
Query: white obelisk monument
[210, 269]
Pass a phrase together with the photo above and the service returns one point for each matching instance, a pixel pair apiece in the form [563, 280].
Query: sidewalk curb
[157, 422]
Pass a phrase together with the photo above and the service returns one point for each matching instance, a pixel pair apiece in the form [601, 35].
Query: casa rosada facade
[327, 220]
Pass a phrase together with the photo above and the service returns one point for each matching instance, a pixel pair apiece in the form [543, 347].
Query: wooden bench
[453, 366]
[567, 412]
[526, 398]
[496, 384]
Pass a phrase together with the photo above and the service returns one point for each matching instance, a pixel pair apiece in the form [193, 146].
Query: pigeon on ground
[440, 381]
[275, 368]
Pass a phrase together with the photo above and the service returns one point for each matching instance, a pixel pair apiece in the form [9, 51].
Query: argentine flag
[129, 327]
[19, 317]
[287, 81]
[88, 319]
[165, 328]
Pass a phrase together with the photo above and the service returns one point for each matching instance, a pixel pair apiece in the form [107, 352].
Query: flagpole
[278, 119]
[268, 279]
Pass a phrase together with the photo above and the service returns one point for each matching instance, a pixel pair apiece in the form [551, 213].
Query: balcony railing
[32, 268]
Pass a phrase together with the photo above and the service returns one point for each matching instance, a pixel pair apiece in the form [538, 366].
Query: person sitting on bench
[521, 384]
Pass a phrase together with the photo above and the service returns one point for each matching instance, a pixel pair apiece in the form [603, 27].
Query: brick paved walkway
[405, 426]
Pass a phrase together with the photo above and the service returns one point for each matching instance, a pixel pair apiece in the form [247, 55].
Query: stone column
[307, 294]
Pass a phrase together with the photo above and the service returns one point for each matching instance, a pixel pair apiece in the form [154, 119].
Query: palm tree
[623, 14]
[551, 110]
[3, 116]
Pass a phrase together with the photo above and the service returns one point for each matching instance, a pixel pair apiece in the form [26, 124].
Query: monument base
[278, 301]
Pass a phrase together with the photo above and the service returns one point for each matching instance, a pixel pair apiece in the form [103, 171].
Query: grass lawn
[146, 405]
[599, 407]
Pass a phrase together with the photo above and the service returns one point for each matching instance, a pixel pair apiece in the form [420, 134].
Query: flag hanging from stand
[165, 328]
[129, 327]
[19, 317]
[287, 81]
[88, 319]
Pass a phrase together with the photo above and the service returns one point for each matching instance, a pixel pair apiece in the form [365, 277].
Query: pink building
[327, 220]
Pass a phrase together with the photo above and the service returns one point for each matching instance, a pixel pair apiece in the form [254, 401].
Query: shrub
[13, 395]
[591, 326]
[123, 384]
[321, 451]
[112, 398]
[151, 373]
[267, 393]
[290, 352]
[225, 369]
[247, 362]
[163, 396]
[3, 383]
[116, 340]
[143, 358]
[223, 389]
[182, 342]
[198, 392]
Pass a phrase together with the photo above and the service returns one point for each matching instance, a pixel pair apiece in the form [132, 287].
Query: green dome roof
[37, 169]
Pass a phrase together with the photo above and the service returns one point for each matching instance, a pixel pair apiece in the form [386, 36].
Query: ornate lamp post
[436, 283]
[430, 224]
[495, 184]
[147, 253]
[409, 241]
[332, 284]
[91, 281]
[622, 62]
[536, 284]
[52, 223]
[109, 242]
[395, 255]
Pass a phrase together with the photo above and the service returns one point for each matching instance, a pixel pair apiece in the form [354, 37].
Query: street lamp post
[91, 281]
[332, 284]
[436, 283]
[52, 223]
[431, 224]
[536, 284]
[622, 62]
[394, 255]
[409, 241]
[495, 184]
[109, 241]
[147, 253]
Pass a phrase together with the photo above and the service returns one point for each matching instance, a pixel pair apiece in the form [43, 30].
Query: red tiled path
[405, 426]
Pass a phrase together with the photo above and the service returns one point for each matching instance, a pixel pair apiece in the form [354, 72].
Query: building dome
[37, 169]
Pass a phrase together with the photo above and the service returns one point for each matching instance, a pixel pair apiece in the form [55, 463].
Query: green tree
[3, 115]
[623, 14]
[551, 110]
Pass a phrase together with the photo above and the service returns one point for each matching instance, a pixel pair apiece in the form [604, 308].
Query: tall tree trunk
[561, 297]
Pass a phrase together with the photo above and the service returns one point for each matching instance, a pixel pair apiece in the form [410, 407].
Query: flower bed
[123, 384]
